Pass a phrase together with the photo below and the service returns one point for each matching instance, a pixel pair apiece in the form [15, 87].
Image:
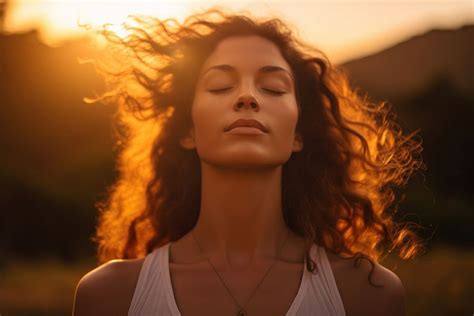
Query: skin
[240, 226]
[241, 219]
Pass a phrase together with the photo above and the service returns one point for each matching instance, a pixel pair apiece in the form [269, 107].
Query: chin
[245, 162]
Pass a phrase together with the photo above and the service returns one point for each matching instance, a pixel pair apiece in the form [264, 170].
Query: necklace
[241, 310]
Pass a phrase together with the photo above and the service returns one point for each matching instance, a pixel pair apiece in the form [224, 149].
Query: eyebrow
[264, 69]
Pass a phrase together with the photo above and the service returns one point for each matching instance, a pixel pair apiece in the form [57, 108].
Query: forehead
[246, 53]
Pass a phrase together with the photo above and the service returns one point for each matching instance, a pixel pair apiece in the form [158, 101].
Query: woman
[253, 179]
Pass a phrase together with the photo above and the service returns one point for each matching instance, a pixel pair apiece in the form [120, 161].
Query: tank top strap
[151, 292]
[322, 296]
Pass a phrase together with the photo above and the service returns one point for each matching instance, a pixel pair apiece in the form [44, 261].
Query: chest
[199, 291]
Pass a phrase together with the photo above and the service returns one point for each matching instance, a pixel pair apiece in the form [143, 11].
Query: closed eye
[274, 91]
[219, 90]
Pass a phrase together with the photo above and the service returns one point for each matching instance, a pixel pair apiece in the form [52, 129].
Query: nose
[247, 101]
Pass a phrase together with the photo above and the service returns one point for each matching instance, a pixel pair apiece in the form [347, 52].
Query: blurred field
[39, 288]
[440, 282]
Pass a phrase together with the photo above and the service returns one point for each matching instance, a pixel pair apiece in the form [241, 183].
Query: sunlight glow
[343, 29]
[60, 20]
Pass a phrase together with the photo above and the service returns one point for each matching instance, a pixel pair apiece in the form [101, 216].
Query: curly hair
[336, 192]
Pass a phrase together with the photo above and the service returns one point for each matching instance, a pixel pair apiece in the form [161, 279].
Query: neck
[241, 219]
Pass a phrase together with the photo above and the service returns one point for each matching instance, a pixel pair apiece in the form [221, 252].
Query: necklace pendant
[241, 312]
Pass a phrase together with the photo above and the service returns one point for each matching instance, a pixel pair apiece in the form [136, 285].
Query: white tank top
[317, 294]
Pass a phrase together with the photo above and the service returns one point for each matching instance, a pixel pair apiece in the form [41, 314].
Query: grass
[39, 288]
[440, 282]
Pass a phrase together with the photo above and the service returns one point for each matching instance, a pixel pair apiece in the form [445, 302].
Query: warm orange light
[60, 20]
[343, 29]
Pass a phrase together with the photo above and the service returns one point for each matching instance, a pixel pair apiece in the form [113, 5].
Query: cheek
[207, 122]
[285, 118]
[284, 128]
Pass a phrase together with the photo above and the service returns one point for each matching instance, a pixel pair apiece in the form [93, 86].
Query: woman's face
[255, 82]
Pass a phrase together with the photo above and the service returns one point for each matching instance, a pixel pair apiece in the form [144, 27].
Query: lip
[247, 125]
[245, 130]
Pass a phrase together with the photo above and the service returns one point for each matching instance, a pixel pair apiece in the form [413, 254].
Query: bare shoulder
[359, 296]
[108, 289]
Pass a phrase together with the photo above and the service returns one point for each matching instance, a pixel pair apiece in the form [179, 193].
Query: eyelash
[217, 91]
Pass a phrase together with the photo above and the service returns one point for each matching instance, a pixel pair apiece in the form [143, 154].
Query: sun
[61, 20]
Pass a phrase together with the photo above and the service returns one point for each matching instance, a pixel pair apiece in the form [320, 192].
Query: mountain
[47, 131]
[410, 66]
[55, 150]
[429, 80]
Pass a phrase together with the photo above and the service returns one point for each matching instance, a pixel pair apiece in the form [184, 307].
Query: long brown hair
[337, 192]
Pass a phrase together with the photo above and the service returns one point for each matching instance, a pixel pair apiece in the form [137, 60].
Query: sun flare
[64, 19]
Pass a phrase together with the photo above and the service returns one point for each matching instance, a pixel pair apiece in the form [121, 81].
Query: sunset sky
[342, 29]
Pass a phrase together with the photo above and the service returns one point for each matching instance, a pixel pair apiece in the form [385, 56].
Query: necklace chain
[242, 311]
